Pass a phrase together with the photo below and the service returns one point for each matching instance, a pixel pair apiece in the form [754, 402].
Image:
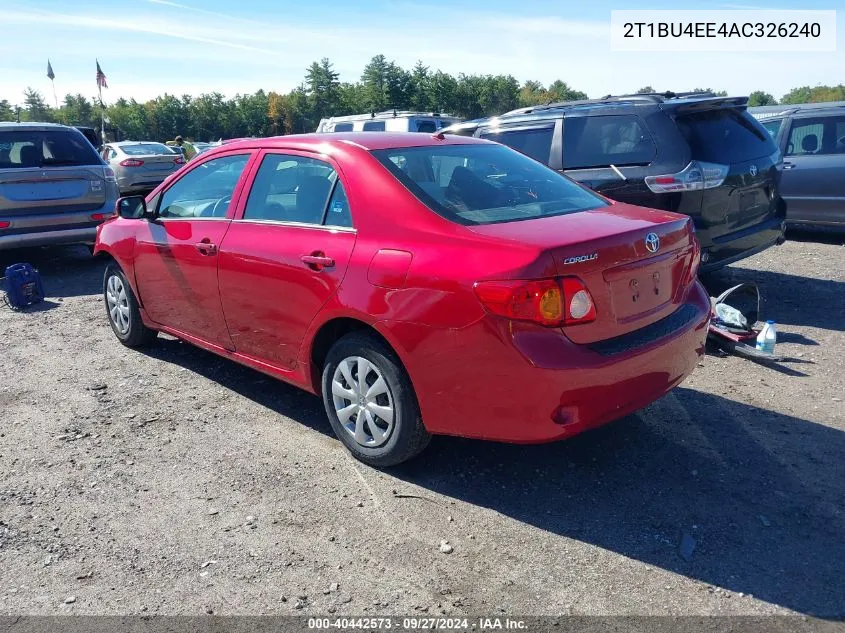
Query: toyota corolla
[419, 284]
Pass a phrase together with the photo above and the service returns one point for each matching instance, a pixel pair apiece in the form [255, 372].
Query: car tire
[122, 309]
[392, 441]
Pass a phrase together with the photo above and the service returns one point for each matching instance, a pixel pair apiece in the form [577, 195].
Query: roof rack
[653, 97]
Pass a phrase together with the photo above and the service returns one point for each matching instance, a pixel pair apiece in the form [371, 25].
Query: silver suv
[54, 188]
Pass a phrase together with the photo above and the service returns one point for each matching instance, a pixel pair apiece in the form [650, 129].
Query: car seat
[30, 156]
[311, 197]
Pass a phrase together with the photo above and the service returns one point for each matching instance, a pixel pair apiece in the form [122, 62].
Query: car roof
[364, 140]
[35, 126]
[829, 108]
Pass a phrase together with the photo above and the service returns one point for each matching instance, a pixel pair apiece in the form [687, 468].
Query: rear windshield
[21, 149]
[145, 149]
[485, 184]
[725, 136]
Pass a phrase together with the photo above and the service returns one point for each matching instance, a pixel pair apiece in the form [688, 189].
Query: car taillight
[549, 302]
[179, 160]
[99, 217]
[4, 224]
[694, 177]
[110, 177]
[131, 162]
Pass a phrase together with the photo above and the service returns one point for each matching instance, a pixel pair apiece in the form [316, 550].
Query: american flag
[101, 77]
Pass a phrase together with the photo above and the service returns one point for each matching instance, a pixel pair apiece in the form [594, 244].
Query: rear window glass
[485, 184]
[725, 136]
[145, 149]
[601, 141]
[534, 142]
[374, 126]
[22, 149]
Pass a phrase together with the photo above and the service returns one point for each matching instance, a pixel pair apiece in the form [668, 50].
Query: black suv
[692, 153]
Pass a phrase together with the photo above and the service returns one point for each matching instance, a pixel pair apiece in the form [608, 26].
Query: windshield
[23, 148]
[485, 184]
[145, 149]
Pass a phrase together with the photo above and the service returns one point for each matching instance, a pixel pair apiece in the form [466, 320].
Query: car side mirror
[132, 207]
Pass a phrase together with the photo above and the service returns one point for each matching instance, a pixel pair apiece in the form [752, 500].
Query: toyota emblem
[753, 170]
[652, 242]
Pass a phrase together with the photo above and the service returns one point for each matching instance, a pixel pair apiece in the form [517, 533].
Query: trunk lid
[631, 286]
[723, 134]
[51, 189]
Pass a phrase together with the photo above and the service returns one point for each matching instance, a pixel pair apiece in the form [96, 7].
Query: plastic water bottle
[767, 338]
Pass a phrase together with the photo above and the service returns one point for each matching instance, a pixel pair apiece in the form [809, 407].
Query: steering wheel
[225, 200]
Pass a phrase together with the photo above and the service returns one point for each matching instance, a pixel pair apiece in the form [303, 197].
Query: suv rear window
[601, 141]
[725, 136]
[20, 149]
[535, 142]
[485, 184]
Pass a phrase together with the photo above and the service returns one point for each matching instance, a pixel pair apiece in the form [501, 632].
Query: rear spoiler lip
[699, 105]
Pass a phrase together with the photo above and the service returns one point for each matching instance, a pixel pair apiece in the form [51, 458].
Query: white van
[389, 121]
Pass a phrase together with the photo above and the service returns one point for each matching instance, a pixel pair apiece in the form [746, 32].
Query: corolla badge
[577, 259]
[652, 243]
[752, 170]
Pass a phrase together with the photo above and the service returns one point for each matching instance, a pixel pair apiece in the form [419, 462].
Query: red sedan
[420, 284]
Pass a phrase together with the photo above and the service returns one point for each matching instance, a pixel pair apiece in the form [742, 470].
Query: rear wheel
[371, 403]
[122, 309]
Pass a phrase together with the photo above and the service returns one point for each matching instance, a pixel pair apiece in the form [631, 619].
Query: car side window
[601, 141]
[205, 191]
[772, 126]
[535, 142]
[342, 127]
[373, 126]
[338, 212]
[290, 188]
[818, 136]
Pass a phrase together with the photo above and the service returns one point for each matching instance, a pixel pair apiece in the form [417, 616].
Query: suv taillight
[694, 177]
[549, 302]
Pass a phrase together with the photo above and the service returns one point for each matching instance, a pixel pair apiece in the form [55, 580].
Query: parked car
[54, 188]
[812, 139]
[470, 291]
[696, 154]
[140, 166]
[388, 121]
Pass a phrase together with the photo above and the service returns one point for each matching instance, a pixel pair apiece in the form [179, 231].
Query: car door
[176, 254]
[285, 254]
[814, 161]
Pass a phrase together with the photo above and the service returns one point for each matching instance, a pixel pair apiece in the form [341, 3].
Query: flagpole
[102, 114]
[55, 98]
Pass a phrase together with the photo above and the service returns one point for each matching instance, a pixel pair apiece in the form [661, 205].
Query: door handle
[206, 247]
[789, 165]
[317, 261]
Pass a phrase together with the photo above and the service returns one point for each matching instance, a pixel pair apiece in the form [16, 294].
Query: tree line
[383, 86]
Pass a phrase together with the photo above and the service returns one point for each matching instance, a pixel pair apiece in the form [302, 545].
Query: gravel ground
[170, 481]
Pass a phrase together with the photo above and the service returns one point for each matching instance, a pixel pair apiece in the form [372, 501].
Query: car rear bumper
[46, 229]
[146, 182]
[505, 381]
[726, 249]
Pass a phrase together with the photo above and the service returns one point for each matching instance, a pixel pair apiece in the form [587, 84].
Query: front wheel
[122, 309]
[371, 403]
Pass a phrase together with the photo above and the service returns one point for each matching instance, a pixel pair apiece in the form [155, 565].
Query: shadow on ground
[762, 494]
[787, 299]
[66, 271]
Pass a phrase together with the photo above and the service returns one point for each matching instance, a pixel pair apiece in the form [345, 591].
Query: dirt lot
[173, 482]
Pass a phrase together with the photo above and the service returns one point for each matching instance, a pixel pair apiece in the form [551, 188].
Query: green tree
[35, 108]
[818, 94]
[375, 82]
[718, 93]
[760, 98]
[419, 97]
[323, 89]
[77, 110]
[560, 91]
[645, 90]
[531, 93]
[7, 112]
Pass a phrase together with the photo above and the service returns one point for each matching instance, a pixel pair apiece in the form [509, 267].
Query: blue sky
[148, 47]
